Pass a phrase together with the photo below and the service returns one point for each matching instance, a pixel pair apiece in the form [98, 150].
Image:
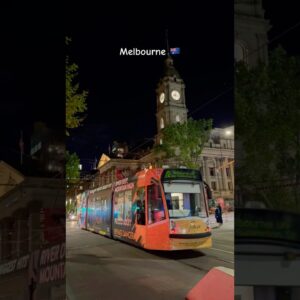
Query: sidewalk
[228, 218]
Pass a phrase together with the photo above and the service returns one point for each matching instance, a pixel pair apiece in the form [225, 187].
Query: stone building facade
[217, 163]
[32, 222]
[9, 178]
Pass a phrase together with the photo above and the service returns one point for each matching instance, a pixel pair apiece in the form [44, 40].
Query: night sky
[284, 18]
[121, 101]
[31, 75]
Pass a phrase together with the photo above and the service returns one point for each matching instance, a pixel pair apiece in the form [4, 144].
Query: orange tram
[157, 209]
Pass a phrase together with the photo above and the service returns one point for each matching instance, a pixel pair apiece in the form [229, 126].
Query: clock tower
[170, 99]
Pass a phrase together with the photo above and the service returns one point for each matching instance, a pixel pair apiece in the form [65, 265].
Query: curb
[215, 226]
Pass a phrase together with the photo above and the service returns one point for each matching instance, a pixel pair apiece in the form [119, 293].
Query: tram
[156, 209]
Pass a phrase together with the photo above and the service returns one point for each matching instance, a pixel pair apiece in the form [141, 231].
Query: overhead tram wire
[148, 140]
[224, 92]
[130, 151]
[280, 35]
[230, 88]
[211, 100]
[141, 144]
[274, 39]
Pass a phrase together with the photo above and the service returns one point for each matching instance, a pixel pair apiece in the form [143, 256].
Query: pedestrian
[218, 215]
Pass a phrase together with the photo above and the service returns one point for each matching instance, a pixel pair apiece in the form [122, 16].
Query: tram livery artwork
[158, 209]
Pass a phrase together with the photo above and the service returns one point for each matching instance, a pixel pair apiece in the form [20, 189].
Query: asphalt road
[102, 268]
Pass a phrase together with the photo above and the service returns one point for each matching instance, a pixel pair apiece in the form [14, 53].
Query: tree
[71, 207]
[267, 118]
[75, 99]
[72, 168]
[72, 179]
[184, 142]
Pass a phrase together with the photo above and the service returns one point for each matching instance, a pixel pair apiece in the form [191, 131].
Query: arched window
[162, 123]
[240, 52]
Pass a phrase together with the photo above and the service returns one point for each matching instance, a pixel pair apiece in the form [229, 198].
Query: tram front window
[184, 200]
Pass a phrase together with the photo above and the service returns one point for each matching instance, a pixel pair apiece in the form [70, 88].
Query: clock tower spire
[170, 98]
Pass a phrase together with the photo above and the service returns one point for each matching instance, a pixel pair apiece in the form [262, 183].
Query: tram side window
[128, 204]
[119, 208]
[140, 203]
[156, 210]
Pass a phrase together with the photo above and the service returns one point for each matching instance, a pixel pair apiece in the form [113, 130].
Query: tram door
[157, 222]
[139, 215]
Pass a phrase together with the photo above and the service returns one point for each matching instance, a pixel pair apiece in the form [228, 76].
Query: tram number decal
[123, 233]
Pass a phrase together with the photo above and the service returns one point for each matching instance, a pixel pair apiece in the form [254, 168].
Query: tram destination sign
[181, 174]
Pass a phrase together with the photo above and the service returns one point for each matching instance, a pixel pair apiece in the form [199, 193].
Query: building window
[240, 52]
[160, 141]
[177, 118]
[201, 170]
[212, 172]
[216, 139]
[210, 144]
[230, 187]
[162, 123]
[213, 185]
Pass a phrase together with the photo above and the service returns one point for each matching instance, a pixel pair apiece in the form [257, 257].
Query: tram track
[93, 260]
[208, 264]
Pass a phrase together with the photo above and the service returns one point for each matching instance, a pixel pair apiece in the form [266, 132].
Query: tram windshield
[185, 200]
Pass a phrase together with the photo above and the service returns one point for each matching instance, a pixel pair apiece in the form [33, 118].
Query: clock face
[162, 97]
[175, 95]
